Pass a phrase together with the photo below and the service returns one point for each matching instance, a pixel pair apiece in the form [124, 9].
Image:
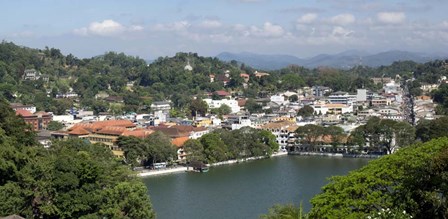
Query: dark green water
[244, 190]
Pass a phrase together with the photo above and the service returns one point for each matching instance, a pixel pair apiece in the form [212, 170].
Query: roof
[335, 105]
[42, 113]
[139, 133]
[180, 141]
[284, 124]
[222, 93]
[242, 102]
[24, 113]
[260, 74]
[170, 132]
[96, 126]
[423, 97]
[78, 131]
[112, 130]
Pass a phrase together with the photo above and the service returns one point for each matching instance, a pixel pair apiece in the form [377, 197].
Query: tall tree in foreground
[72, 179]
[412, 181]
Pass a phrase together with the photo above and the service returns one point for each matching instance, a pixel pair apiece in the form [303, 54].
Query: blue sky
[154, 28]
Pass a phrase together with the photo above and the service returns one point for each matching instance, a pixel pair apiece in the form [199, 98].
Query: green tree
[252, 106]
[306, 111]
[429, 129]
[194, 150]
[160, 148]
[293, 98]
[54, 126]
[198, 107]
[288, 211]
[310, 134]
[409, 180]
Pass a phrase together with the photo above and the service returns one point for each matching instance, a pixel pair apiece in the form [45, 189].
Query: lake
[245, 190]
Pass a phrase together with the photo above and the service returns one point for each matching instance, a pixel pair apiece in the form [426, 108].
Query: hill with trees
[136, 84]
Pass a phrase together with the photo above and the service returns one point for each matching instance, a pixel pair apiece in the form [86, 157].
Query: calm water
[244, 190]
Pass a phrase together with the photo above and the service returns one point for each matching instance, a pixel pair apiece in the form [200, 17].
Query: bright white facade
[215, 104]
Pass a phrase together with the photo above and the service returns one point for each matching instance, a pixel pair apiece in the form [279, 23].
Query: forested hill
[178, 78]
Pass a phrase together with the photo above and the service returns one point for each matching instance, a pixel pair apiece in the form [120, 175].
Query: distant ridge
[346, 59]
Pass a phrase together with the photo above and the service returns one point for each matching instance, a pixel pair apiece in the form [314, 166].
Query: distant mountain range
[347, 59]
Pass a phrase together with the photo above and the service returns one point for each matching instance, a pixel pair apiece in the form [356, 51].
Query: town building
[284, 132]
[19, 106]
[215, 104]
[320, 91]
[37, 121]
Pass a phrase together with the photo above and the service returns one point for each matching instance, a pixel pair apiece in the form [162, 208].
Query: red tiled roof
[78, 131]
[24, 113]
[222, 93]
[242, 102]
[139, 133]
[180, 141]
[112, 130]
[96, 126]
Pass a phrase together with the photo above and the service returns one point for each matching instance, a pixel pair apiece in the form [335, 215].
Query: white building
[284, 132]
[279, 99]
[323, 109]
[361, 95]
[215, 104]
[342, 98]
[29, 108]
[391, 87]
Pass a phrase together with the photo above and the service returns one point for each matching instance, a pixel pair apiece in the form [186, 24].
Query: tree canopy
[71, 179]
[411, 179]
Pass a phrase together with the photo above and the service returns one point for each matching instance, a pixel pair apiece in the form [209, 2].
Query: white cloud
[210, 24]
[343, 19]
[339, 31]
[106, 28]
[268, 30]
[391, 17]
[176, 26]
[307, 18]
[136, 28]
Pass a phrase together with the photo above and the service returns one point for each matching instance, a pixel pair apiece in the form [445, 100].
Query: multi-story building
[342, 98]
[31, 74]
[215, 104]
[319, 91]
[37, 121]
[284, 132]
[19, 106]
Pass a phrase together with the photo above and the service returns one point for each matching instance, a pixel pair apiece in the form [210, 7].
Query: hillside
[344, 60]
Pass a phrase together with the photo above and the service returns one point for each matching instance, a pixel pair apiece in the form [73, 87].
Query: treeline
[377, 135]
[222, 145]
[155, 148]
[72, 179]
[168, 79]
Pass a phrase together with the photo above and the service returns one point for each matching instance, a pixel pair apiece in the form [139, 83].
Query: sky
[153, 28]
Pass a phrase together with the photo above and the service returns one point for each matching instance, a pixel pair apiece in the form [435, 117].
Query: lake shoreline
[149, 173]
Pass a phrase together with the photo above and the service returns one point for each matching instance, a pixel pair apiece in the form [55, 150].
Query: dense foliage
[72, 179]
[222, 145]
[430, 129]
[155, 148]
[383, 135]
[413, 179]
